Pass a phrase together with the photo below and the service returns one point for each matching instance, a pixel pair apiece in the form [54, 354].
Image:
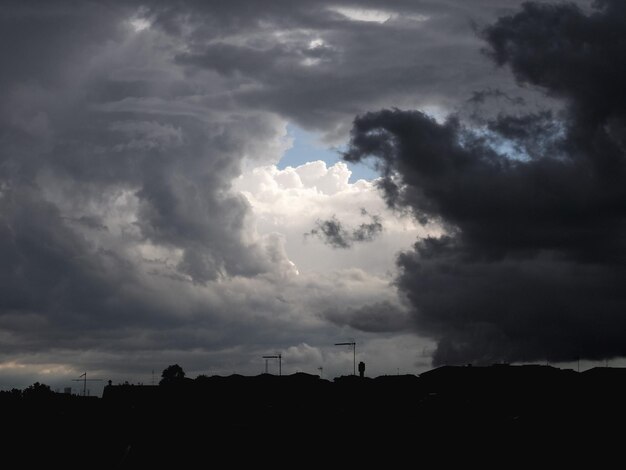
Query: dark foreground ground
[498, 416]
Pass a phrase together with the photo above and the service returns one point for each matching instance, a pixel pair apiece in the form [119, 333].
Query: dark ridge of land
[490, 415]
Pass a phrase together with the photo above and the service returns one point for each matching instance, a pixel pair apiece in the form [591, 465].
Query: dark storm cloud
[92, 222]
[101, 156]
[483, 95]
[534, 260]
[333, 233]
[178, 167]
[310, 62]
[375, 318]
[52, 275]
[368, 231]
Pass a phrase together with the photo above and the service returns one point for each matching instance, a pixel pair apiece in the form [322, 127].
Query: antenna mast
[84, 381]
[278, 356]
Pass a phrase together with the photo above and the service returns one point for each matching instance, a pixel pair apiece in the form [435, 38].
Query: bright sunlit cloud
[315, 43]
[361, 14]
[139, 24]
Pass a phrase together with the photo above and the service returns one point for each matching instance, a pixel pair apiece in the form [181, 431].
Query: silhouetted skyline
[497, 414]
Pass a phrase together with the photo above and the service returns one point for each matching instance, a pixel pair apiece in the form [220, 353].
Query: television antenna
[84, 381]
[278, 356]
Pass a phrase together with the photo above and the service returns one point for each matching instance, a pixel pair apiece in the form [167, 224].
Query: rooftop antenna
[84, 381]
[353, 344]
[278, 356]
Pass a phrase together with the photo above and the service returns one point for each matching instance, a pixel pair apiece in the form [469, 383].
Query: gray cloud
[379, 317]
[114, 186]
[319, 68]
[91, 222]
[333, 233]
[532, 264]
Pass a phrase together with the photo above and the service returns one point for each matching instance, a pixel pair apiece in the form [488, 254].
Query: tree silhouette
[37, 390]
[172, 374]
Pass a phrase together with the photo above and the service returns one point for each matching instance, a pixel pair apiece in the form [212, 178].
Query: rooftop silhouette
[465, 408]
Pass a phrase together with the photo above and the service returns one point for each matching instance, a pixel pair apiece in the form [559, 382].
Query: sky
[205, 183]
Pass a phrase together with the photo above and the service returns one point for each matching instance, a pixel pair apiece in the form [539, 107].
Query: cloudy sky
[206, 182]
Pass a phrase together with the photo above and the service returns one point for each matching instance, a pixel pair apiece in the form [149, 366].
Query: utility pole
[353, 344]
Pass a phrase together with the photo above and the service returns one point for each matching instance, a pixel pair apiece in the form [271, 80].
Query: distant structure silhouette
[84, 380]
[362, 369]
[278, 356]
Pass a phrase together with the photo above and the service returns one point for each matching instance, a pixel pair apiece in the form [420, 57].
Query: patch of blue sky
[505, 147]
[308, 148]
[510, 149]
